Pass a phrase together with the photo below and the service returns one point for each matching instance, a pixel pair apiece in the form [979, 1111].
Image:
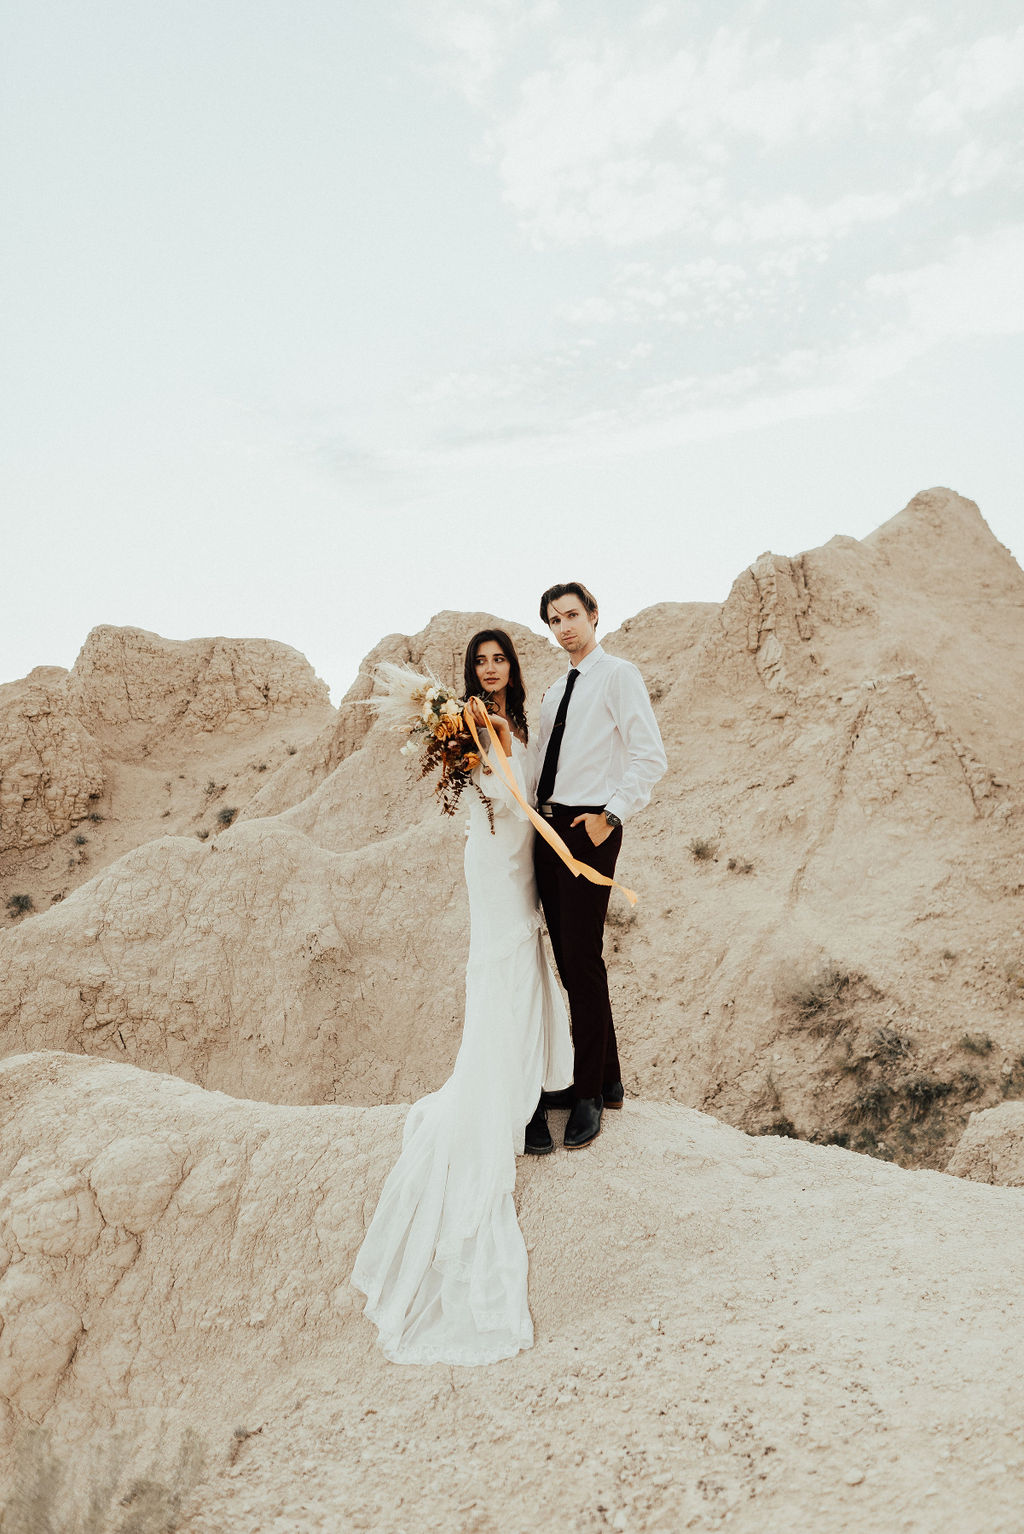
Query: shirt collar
[590, 660]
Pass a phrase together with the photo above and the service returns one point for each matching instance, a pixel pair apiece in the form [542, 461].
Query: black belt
[555, 811]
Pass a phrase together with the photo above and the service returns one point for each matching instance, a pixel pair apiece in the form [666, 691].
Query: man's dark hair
[570, 588]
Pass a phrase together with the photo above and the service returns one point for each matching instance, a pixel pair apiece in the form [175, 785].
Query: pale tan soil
[737, 1333]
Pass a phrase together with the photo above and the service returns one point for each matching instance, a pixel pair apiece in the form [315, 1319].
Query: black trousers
[574, 910]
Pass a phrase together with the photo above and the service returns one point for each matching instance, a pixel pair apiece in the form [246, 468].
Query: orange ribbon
[548, 832]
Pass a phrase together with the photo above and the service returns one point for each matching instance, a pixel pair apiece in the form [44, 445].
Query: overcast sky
[324, 315]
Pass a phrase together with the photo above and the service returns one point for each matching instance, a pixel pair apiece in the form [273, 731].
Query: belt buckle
[547, 811]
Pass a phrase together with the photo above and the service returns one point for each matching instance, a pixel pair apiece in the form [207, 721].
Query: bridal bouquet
[433, 716]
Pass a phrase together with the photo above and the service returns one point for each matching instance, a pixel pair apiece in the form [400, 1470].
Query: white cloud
[688, 293]
[793, 219]
[572, 402]
[975, 291]
[476, 39]
[694, 124]
[729, 204]
[973, 80]
[627, 141]
[977, 165]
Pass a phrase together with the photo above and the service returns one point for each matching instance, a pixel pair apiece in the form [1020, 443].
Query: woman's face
[492, 667]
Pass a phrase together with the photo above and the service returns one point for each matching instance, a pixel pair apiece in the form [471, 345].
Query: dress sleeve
[497, 790]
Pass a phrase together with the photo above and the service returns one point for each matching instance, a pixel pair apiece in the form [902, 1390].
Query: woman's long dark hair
[515, 692]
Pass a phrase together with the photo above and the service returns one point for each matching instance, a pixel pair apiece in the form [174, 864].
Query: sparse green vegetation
[702, 849]
[20, 905]
[210, 789]
[226, 815]
[291, 750]
[948, 955]
[96, 818]
[740, 866]
[202, 834]
[977, 1043]
[80, 840]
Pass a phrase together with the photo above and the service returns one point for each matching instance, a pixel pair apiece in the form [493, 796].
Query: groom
[602, 755]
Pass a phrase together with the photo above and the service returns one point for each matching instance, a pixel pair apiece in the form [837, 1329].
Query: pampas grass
[399, 704]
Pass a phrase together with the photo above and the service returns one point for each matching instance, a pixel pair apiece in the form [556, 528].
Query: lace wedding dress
[443, 1265]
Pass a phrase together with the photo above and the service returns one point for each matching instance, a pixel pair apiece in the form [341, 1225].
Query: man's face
[572, 626]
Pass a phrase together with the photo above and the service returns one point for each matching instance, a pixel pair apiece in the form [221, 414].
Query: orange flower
[471, 760]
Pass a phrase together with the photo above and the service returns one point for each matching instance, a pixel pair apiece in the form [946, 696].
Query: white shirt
[611, 753]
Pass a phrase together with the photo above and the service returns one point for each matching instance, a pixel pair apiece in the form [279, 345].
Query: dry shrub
[46, 1499]
[816, 998]
[702, 849]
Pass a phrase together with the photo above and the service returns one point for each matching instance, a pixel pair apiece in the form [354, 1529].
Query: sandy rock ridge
[829, 938]
[841, 950]
[758, 1333]
[241, 960]
[143, 736]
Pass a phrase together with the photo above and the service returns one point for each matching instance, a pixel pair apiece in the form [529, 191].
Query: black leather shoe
[613, 1095]
[538, 1135]
[584, 1122]
[562, 1099]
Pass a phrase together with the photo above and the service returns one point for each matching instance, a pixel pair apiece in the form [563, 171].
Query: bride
[443, 1264]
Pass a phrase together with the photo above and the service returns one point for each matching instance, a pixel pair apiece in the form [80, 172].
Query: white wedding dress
[443, 1264]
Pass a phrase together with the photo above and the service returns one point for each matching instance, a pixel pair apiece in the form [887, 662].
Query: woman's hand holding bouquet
[435, 721]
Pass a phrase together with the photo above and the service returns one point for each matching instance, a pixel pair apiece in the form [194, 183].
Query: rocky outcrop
[726, 1328]
[144, 686]
[244, 964]
[51, 769]
[992, 1148]
[829, 873]
[144, 736]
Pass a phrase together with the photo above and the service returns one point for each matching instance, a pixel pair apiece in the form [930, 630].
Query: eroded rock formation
[142, 737]
[828, 945]
[831, 900]
[51, 769]
[126, 677]
[992, 1148]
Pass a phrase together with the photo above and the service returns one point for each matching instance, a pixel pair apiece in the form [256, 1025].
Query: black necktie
[547, 772]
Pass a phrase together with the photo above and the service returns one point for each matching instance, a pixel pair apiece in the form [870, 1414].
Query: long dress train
[443, 1264]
